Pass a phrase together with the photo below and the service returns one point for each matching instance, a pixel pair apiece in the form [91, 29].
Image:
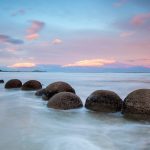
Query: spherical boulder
[1, 81]
[64, 101]
[55, 88]
[40, 92]
[13, 83]
[31, 85]
[104, 101]
[137, 104]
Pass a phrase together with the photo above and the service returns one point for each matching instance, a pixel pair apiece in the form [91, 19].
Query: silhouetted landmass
[59, 68]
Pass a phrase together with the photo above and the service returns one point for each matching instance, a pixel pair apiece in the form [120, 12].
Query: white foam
[70, 143]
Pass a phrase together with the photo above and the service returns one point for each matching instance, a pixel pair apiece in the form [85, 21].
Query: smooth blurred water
[27, 124]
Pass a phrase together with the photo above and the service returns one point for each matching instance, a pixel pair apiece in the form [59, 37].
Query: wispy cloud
[22, 65]
[32, 36]
[119, 3]
[8, 39]
[91, 63]
[140, 19]
[139, 62]
[127, 34]
[34, 29]
[139, 22]
[18, 12]
[141, 3]
[57, 41]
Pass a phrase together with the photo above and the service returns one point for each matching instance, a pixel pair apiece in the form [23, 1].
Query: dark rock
[55, 88]
[104, 101]
[40, 92]
[64, 101]
[45, 97]
[137, 104]
[13, 83]
[1, 81]
[31, 85]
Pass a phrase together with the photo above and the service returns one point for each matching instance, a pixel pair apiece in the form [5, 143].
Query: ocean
[27, 124]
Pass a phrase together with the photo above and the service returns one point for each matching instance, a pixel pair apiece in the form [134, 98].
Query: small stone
[40, 92]
[1, 81]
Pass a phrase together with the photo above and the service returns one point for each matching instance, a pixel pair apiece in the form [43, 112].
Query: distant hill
[57, 68]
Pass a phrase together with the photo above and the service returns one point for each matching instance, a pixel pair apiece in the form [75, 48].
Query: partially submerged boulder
[137, 104]
[104, 101]
[31, 85]
[13, 83]
[40, 92]
[55, 88]
[64, 101]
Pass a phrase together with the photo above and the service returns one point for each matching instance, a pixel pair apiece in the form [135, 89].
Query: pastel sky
[74, 32]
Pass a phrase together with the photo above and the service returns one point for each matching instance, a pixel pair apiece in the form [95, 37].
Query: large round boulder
[55, 88]
[104, 101]
[64, 101]
[13, 83]
[40, 92]
[31, 85]
[137, 104]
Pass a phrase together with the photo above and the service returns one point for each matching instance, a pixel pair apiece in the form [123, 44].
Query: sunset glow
[91, 63]
[24, 65]
[75, 33]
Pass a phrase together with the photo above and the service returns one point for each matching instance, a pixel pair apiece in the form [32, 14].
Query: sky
[80, 33]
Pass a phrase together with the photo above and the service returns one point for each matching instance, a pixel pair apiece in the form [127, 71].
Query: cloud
[142, 3]
[34, 29]
[127, 34]
[57, 41]
[119, 3]
[140, 62]
[139, 3]
[22, 65]
[136, 23]
[18, 12]
[8, 39]
[91, 63]
[32, 36]
[140, 19]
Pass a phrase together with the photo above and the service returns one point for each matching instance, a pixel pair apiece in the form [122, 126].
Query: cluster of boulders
[61, 95]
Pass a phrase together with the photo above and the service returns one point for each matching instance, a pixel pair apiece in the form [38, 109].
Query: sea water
[27, 124]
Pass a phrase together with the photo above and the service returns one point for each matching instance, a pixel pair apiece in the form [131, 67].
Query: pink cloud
[34, 29]
[139, 62]
[139, 23]
[32, 36]
[140, 19]
[127, 34]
